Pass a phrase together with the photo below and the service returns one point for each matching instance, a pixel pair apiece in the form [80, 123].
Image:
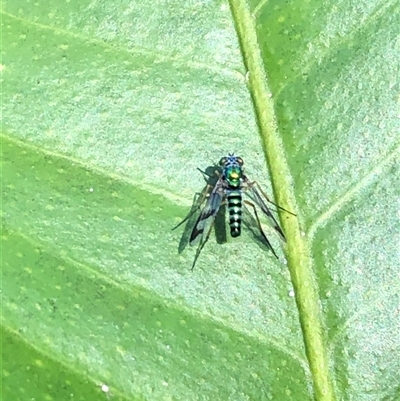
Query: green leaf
[108, 109]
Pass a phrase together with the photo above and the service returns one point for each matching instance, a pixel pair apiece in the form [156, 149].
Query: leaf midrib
[298, 249]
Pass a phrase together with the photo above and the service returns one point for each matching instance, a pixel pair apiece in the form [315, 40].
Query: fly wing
[263, 206]
[207, 216]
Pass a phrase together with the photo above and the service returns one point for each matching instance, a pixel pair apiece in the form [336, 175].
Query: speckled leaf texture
[108, 109]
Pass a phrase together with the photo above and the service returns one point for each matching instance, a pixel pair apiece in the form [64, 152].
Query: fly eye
[222, 162]
[240, 161]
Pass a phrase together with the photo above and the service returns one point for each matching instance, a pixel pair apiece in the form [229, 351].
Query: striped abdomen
[235, 211]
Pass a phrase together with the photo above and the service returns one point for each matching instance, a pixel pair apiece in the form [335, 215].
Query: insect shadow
[210, 175]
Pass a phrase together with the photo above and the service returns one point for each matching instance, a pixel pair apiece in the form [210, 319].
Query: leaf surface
[108, 109]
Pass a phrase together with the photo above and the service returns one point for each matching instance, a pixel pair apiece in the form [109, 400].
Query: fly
[229, 188]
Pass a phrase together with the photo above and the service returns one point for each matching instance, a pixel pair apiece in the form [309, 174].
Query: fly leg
[203, 233]
[257, 185]
[259, 226]
[201, 245]
[210, 179]
[203, 195]
[200, 200]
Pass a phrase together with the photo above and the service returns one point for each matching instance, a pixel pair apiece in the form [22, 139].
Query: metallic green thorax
[233, 175]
